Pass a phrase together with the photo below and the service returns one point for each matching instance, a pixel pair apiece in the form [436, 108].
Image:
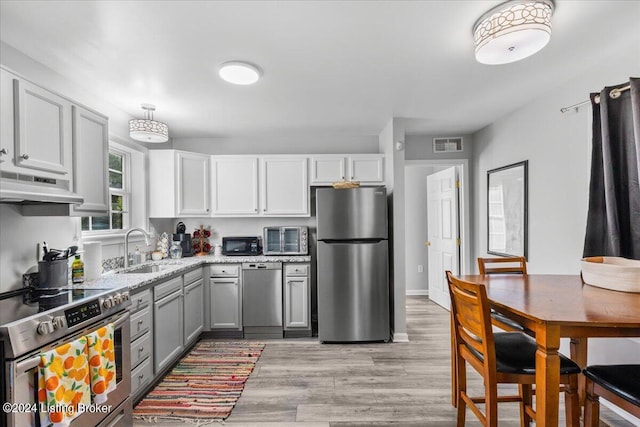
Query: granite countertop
[128, 278]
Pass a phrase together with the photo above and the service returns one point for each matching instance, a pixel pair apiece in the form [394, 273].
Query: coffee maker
[184, 239]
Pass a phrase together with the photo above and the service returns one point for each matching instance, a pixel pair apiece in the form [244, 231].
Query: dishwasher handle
[261, 265]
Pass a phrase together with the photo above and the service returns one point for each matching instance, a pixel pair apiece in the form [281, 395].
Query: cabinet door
[284, 187]
[235, 186]
[367, 169]
[42, 129]
[327, 169]
[90, 161]
[226, 303]
[193, 311]
[7, 146]
[296, 307]
[192, 174]
[168, 330]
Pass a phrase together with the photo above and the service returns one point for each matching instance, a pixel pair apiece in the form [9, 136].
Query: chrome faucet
[126, 243]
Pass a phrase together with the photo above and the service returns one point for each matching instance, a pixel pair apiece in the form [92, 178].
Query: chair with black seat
[505, 265]
[501, 357]
[619, 384]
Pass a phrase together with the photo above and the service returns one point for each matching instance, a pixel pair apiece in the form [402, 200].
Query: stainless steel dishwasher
[262, 299]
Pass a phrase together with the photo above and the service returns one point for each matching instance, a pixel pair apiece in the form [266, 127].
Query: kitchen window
[119, 193]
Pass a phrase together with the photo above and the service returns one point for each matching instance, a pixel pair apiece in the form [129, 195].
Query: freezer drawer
[353, 291]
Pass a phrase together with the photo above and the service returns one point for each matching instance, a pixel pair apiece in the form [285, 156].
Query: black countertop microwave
[247, 246]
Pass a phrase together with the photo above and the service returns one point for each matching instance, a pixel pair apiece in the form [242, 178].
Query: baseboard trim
[400, 337]
[417, 292]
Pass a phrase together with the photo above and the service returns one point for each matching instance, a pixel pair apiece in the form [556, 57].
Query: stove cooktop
[26, 302]
[31, 318]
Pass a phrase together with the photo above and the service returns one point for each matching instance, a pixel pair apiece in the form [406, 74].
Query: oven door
[22, 382]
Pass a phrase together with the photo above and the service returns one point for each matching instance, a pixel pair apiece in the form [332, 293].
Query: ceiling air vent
[447, 145]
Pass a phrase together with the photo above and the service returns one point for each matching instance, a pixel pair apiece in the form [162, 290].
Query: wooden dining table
[560, 306]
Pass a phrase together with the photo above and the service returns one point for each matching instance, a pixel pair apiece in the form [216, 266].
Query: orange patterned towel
[102, 363]
[63, 382]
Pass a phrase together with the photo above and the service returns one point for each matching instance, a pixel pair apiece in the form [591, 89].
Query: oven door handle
[123, 318]
[29, 364]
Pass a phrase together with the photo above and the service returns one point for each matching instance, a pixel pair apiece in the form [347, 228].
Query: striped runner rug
[204, 386]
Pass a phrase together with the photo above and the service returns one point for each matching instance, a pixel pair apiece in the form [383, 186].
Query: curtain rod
[615, 93]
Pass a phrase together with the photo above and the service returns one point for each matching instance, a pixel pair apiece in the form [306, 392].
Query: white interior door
[442, 232]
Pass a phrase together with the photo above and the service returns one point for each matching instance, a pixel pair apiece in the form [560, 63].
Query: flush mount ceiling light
[513, 31]
[147, 129]
[239, 73]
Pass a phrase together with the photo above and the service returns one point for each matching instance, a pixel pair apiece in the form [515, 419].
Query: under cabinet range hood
[30, 189]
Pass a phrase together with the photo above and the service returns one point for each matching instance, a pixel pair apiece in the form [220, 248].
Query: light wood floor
[303, 383]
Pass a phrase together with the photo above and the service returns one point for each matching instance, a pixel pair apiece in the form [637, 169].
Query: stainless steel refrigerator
[353, 264]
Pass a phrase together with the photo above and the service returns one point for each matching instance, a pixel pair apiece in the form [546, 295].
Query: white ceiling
[330, 67]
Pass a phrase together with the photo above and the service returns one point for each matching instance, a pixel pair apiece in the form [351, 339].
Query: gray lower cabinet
[225, 297]
[193, 306]
[141, 319]
[168, 328]
[297, 302]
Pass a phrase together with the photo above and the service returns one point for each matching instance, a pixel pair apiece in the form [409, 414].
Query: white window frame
[125, 192]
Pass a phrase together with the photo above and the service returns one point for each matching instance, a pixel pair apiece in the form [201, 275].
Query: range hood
[30, 189]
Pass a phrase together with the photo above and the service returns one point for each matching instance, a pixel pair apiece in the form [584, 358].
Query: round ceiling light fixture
[147, 129]
[513, 31]
[239, 72]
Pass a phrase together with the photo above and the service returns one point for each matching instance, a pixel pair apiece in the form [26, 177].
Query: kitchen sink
[148, 269]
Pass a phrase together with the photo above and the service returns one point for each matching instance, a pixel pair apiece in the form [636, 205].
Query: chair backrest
[514, 265]
[472, 321]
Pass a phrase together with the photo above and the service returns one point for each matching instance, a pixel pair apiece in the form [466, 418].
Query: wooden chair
[507, 357]
[513, 265]
[507, 265]
[619, 384]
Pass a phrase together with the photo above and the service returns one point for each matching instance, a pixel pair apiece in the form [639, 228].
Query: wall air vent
[447, 145]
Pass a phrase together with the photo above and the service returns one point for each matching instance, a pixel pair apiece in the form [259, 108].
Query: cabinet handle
[25, 157]
[140, 300]
[141, 349]
[3, 151]
[141, 376]
[140, 322]
[255, 210]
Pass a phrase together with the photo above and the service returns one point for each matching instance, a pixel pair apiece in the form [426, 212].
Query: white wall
[558, 149]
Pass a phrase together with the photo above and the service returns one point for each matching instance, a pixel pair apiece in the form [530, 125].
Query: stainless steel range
[33, 321]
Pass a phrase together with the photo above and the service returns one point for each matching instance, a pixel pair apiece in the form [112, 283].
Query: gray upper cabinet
[90, 161]
[41, 131]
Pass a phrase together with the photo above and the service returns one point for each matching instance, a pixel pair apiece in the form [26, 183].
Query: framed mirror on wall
[507, 207]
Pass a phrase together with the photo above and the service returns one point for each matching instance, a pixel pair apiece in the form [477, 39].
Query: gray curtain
[613, 221]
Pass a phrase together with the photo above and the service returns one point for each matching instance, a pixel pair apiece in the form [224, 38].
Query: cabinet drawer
[140, 349]
[140, 300]
[296, 270]
[166, 288]
[141, 376]
[192, 276]
[140, 322]
[225, 270]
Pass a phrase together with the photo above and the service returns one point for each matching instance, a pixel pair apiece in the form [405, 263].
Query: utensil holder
[53, 274]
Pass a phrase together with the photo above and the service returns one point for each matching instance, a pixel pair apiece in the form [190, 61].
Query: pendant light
[513, 31]
[147, 129]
